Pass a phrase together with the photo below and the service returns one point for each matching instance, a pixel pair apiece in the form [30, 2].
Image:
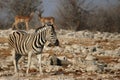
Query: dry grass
[108, 59]
[109, 44]
[3, 40]
[4, 53]
[105, 44]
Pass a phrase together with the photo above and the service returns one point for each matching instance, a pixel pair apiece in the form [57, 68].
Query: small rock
[92, 68]
[90, 57]
[119, 60]
[117, 66]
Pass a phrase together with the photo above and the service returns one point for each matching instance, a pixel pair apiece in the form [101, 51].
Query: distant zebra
[23, 43]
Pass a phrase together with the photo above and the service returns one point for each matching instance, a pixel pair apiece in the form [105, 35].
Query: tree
[72, 14]
[25, 7]
[105, 20]
[4, 4]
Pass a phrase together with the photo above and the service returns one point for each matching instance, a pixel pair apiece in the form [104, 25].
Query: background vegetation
[18, 7]
[70, 14]
[81, 15]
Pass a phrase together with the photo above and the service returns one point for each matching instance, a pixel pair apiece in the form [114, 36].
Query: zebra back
[15, 36]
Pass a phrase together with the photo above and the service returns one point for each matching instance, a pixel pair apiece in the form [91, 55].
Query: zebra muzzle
[55, 44]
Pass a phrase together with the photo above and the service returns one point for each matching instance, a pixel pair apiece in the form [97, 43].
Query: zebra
[23, 43]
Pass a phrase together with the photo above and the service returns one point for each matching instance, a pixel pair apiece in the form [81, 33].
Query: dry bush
[72, 14]
[25, 7]
[77, 15]
[11, 8]
[105, 20]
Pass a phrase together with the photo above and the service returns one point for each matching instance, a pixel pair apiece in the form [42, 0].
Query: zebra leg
[16, 58]
[29, 61]
[39, 62]
[14, 61]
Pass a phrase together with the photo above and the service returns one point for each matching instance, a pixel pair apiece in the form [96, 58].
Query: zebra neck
[41, 38]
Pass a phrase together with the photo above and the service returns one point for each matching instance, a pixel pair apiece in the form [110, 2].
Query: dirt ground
[7, 72]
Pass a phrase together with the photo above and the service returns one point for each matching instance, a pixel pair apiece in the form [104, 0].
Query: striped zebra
[23, 43]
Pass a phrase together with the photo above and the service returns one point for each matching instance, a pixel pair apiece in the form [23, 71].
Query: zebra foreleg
[29, 61]
[39, 56]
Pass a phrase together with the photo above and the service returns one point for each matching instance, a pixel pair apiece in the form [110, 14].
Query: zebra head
[51, 36]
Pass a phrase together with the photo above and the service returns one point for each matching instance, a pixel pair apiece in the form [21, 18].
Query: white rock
[119, 60]
[76, 48]
[90, 57]
[68, 49]
[85, 51]
[92, 68]
[116, 66]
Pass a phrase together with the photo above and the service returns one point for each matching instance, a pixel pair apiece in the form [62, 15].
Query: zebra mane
[41, 27]
[22, 31]
[44, 28]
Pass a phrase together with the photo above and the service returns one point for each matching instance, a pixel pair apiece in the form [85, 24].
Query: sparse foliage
[4, 4]
[77, 15]
[72, 14]
[25, 7]
[10, 8]
[105, 20]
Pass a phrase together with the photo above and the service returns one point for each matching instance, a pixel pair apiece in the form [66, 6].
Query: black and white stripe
[24, 43]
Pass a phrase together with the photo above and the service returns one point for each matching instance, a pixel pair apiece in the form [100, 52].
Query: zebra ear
[52, 27]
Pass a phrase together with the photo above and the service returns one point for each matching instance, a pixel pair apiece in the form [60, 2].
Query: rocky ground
[82, 55]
